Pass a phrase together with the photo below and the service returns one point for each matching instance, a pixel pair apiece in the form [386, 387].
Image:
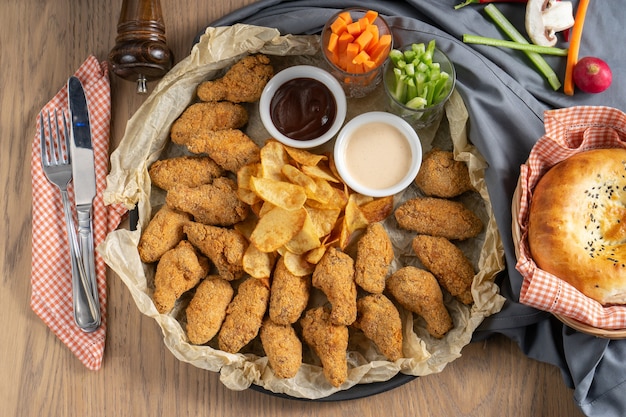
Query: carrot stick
[574, 47]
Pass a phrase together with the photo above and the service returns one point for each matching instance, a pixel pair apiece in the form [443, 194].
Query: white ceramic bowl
[295, 72]
[378, 154]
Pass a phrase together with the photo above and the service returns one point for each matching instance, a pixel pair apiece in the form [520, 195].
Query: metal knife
[84, 177]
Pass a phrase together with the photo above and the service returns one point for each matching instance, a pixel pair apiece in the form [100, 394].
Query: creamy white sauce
[378, 155]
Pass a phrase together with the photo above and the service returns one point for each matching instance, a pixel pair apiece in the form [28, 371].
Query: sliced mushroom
[546, 17]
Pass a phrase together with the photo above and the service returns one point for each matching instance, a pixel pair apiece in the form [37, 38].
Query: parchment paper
[146, 139]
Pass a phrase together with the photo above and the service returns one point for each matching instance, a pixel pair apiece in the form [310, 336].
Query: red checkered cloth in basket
[51, 297]
[568, 131]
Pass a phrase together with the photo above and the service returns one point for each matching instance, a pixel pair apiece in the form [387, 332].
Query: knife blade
[84, 178]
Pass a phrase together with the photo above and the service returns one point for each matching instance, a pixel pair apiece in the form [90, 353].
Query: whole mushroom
[546, 17]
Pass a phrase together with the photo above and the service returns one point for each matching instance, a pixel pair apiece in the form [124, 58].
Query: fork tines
[55, 148]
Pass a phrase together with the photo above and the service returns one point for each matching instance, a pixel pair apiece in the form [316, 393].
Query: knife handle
[86, 247]
[86, 313]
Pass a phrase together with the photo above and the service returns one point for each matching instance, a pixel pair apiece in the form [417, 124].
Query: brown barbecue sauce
[303, 109]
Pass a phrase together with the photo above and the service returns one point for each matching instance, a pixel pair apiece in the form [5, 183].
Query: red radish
[592, 75]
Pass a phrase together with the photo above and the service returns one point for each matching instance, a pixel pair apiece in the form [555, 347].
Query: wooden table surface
[41, 44]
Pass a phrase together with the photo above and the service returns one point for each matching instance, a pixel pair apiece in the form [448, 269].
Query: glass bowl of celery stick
[419, 79]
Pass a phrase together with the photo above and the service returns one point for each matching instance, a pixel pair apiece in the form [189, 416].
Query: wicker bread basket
[574, 324]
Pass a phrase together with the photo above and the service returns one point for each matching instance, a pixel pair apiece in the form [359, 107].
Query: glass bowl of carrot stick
[356, 43]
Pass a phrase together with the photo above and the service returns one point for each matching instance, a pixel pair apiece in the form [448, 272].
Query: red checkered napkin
[568, 131]
[51, 297]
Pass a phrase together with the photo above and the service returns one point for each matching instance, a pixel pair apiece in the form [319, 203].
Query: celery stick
[547, 50]
[409, 55]
[395, 56]
[419, 48]
[430, 50]
[417, 103]
[508, 28]
[411, 89]
[440, 88]
[416, 76]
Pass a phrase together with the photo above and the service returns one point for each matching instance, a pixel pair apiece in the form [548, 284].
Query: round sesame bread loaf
[577, 223]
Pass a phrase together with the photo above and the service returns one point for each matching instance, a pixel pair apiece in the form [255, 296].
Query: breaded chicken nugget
[201, 117]
[329, 342]
[282, 347]
[230, 148]
[442, 176]
[243, 82]
[380, 321]
[162, 233]
[179, 270]
[207, 309]
[216, 203]
[374, 256]
[334, 275]
[190, 171]
[438, 217]
[289, 295]
[417, 290]
[244, 315]
[224, 247]
[449, 265]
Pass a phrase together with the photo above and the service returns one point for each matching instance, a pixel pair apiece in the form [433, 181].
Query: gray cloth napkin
[506, 98]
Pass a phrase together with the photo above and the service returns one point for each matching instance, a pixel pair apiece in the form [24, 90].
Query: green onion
[546, 50]
[508, 28]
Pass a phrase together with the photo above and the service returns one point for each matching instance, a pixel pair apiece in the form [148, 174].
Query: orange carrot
[364, 40]
[354, 28]
[332, 42]
[361, 57]
[346, 16]
[371, 15]
[356, 45]
[369, 65]
[343, 41]
[574, 47]
[380, 51]
[373, 29]
[338, 26]
[352, 50]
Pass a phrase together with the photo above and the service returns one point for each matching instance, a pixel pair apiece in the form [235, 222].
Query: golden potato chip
[277, 227]
[319, 172]
[247, 226]
[315, 255]
[303, 157]
[247, 196]
[377, 210]
[333, 168]
[344, 235]
[245, 173]
[339, 198]
[273, 157]
[282, 194]
[361, 199]
[354, 218]
[295, 176]
[323, 219]
[305, 240]
[264, 208]
[323, 193]
[256, 207]
[297, 264]
[258, 264]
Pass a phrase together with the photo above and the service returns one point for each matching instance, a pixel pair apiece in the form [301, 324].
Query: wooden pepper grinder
[140, 51]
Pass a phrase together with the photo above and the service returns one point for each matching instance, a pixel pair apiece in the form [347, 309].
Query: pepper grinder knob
[140, 53]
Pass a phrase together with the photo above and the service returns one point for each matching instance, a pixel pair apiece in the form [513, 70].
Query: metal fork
[57, 166]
